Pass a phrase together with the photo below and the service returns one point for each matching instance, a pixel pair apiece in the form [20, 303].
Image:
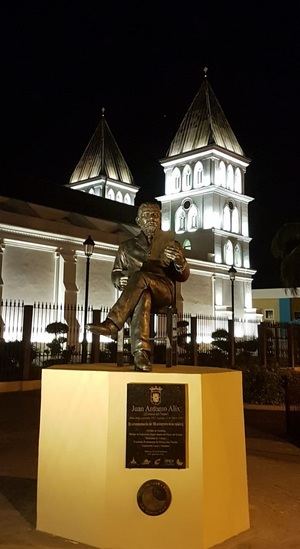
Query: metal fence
[53, 346]
[27, 346]
[279, 343]
[47, 348]
[12, 314]
[11, 320]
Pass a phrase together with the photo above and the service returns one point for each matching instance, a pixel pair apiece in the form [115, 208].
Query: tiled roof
[102, 157]
[204, 124]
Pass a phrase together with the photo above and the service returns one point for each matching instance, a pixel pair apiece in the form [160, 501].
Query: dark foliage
[58, 354]
[286, 246]
[57, 328]
[262, 385]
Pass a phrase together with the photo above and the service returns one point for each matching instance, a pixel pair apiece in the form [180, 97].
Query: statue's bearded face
[148, 219]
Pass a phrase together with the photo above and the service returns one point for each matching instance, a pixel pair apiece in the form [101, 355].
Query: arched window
[237, 255]
[119, 197]
[176, 176]
[230, 177]
[110, 194]
[186, 178]
[226, 218]
[187, 245]
[228, 252]
[235, 220]
[198, 175]
[91, 191]
[127, 199]
[192, 220]
[180, 220]
[221, 174]
[231, 218]
[238, 180]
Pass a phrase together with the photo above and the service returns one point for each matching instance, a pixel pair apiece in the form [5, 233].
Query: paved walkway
[273, 472]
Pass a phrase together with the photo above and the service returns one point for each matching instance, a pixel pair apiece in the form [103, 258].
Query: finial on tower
[103, 111]
[205, 70]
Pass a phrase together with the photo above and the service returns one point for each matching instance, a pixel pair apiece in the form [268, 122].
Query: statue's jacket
[137, 254]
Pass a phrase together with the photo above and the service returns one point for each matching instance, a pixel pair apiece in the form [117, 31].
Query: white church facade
[204, 203]
[206, 206]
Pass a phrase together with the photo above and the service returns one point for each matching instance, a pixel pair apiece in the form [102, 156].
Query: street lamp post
[88, 250]
[232, 273]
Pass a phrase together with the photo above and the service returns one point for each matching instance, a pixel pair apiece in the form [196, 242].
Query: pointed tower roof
[102, 158]
[204, 124]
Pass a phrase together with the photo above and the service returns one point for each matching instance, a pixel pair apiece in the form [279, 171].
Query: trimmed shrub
[262, 385]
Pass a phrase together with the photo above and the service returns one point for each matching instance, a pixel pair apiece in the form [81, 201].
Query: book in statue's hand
[160, 241]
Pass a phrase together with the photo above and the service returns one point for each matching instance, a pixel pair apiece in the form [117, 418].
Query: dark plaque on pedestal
[156, 426]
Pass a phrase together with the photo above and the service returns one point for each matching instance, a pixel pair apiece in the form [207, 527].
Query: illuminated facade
[102, 169]
[206, 206]
[41, 252]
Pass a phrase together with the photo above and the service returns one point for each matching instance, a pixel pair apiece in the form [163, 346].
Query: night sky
[63, 61]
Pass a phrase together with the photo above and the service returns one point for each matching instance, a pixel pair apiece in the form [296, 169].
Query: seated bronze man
[145, 270]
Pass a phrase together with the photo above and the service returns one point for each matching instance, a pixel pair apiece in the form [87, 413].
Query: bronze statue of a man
[145, 270]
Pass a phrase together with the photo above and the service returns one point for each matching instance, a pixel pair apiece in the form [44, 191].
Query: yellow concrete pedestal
[86, 494]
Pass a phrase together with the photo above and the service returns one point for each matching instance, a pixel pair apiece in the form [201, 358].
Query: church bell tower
[205, 202]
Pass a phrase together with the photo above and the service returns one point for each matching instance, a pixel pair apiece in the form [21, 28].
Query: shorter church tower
[102, 169]
[206, 206]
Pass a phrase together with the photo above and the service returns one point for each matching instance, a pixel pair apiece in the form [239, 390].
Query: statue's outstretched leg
[106, 328]
[122, 309]
[135, 302]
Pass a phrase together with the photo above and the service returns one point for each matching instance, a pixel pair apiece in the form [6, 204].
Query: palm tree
[286, 246]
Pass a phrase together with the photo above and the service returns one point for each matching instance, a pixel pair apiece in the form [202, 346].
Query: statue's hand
[123, 282]
[173, 253]
[168, 255]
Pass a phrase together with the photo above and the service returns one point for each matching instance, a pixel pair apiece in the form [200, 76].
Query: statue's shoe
[106, 328]
[142, 361]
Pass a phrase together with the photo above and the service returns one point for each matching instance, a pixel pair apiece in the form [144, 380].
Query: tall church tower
[206, 205]
[102, 169]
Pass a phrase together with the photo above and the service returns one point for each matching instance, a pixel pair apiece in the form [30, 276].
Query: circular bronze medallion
[154, 497]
